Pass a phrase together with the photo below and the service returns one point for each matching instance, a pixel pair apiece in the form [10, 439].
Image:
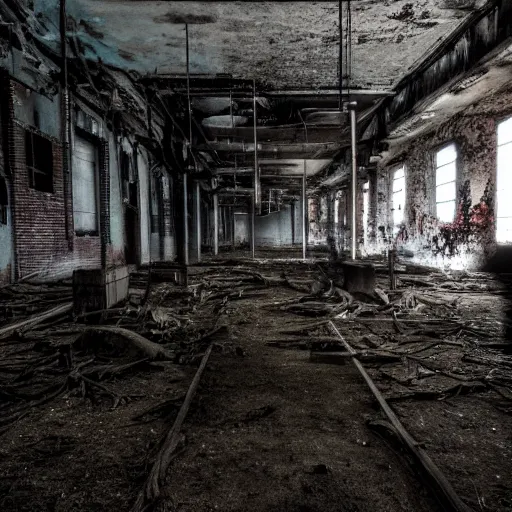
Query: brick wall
[39, 218]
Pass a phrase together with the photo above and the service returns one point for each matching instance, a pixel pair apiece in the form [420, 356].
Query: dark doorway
[131, 239]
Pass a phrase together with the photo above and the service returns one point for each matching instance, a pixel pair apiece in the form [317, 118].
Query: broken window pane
[446, 211]
[504, 183]
[505, 132]
[446, 155]
[446, 192]
[446, 173]
[366, 208]
[85, 190]
[398, 198]
[504, 229]
[39, 160]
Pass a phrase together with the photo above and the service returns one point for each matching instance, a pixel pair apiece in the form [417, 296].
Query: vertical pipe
[185, 219]
[198, 220]
[292, 210]
[257, 184]
[231, 108]
[340, 58]
[233, 242]
[354, 178]
[253, 234]
[185, 176]
[66, 124]
[215, 224]
[304, 210]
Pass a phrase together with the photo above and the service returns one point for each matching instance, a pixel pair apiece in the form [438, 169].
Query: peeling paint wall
[144, 213]
[242, 229]
[275, 229]
[469, 241]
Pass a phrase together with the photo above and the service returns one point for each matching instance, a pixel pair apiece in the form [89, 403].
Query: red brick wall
[40, 219]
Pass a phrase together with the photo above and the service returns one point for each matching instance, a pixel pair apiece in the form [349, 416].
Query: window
[398, 198]
[4, 201]
[39, 158]
[85, 188]
[446, 178]
[504, 183]
[366, 207]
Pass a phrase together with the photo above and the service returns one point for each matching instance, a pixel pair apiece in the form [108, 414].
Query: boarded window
[39, 159]
[398, 198]
[446, 179]
[85, 188]
[504, 183]
[4, 201]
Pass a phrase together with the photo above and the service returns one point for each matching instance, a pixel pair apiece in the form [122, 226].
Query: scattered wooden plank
[151, 490]
[36, 319]
[443, 488]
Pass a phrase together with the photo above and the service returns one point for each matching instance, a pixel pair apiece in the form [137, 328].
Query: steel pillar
[354, 180]
[215, 224]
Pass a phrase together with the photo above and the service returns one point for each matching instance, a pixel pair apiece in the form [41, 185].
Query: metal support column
[253, 233]
[197, 204]
[185, 219]
[215, 224]
[304, 210]
[185, 176]
[257, 181]
[354, 179]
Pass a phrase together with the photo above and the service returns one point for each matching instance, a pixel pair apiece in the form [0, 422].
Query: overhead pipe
[242, 147]
[245, 94]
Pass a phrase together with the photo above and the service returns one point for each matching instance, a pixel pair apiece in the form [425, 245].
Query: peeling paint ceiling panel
[283, 44]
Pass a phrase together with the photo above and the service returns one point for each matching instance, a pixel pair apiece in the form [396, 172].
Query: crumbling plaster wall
[275, 229]
[242, 229]
[469, 242]
[144, 213]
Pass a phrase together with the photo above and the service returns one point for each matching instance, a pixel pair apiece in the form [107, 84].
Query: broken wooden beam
[36, 319]
[442, 487]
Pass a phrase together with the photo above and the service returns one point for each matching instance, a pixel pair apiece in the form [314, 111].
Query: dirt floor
[271, 427]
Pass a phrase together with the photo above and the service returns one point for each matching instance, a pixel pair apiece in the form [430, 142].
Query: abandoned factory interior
[256, 256]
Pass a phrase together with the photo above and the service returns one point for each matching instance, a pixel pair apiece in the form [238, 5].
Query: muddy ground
[270, 430]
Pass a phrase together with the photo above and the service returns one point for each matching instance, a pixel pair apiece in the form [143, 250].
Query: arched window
[4, 201]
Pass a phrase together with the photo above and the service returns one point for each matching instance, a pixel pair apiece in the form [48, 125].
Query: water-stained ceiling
[282, 44]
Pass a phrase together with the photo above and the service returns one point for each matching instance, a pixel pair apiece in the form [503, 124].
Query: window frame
[498, 145]
[436, 151]
[95, 141]
[31, 169]
[402, 166]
